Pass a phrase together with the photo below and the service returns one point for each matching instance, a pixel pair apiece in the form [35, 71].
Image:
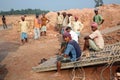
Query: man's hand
[87, 37]
[59, 53]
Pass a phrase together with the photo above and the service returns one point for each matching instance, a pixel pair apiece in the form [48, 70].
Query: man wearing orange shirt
[37, 25]
[44, 23]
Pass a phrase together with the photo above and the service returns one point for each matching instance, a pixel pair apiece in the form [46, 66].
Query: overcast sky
[52, 5]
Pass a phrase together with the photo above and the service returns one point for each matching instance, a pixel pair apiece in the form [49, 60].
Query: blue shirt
[77, 48]
[71, 49]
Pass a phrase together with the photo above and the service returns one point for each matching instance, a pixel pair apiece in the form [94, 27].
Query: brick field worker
[44, 21]
[72, 33]
[37, 25]
[74, 37]
[93, 41]
[71, 53]
[4, 22]
[70, 20]
[23, 28]
[77, 26]
[59, 22]
[98, 18]
[65, 21]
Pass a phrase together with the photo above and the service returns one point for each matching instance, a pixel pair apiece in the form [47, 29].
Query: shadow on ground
[5, 49]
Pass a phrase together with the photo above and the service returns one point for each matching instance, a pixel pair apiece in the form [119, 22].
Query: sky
[51, 5]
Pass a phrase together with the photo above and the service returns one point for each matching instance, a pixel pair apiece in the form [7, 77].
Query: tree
[23, 11]
[98, 3]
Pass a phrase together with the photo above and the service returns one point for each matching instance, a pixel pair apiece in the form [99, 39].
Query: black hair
[118, 69]
[37, 16]
[68, 28]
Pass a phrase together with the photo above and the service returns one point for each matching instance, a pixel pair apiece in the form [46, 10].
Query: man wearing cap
[93, 41]
[71, 53]
[98, 18]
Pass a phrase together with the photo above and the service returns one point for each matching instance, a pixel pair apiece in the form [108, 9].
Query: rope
[74, 72]
[111, 62]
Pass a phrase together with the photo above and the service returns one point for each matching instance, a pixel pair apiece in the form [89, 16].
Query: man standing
[98, 18]
[59, 22]
[23, 28]
[4, 22]
[44, 21]
[77, 26]
[37, 25]
[93, 41]
[65, 22]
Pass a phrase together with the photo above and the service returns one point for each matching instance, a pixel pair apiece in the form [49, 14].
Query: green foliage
[98, 3]
[23, 11]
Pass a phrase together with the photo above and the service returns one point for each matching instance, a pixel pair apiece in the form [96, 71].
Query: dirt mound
[86, 15]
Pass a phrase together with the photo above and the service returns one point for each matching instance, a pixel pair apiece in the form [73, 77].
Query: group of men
[71, 50]
[65, 19]
[70, 28]
[39, 27]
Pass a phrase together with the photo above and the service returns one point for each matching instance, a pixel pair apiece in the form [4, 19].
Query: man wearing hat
[93, 41]
[72, 52]
[98, 18]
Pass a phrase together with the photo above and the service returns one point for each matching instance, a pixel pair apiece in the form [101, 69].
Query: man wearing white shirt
[59, 22]
[77, 26]
[73, 34]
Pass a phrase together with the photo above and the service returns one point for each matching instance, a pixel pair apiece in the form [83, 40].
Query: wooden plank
[109, 54]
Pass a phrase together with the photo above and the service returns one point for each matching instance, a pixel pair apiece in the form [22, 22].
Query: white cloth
[60, 19]
[74, 36]
[97, 37]
[65, 21]
[77, 26]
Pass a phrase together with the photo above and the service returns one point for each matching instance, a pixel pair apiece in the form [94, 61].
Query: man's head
[58, 13]
[25, 15]
[68, 29]
[96, 11]
[69, 15]
[67, 36]
[43, 14]
[23, 18]
[37, 16]
[76, 18]
[3, 15]
[94, 26]
[64, 14]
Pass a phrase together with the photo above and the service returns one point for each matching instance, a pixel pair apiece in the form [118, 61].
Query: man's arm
[102, 21]
[87, 37]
